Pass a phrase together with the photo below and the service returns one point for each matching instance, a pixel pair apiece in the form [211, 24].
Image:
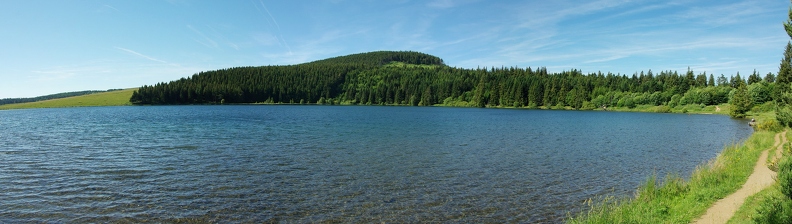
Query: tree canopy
[418, 79]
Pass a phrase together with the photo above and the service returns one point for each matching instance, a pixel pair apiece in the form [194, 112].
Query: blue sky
[49, 46]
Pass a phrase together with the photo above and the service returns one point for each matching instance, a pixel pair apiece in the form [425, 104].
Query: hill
[413, 78]
[308, 82]
[49, 97]
[103, 98]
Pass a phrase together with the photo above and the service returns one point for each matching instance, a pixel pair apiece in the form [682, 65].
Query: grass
[690, 108]
[753, 203]
[112, 98]
[674, 200]
[397, 64]
[758, 203]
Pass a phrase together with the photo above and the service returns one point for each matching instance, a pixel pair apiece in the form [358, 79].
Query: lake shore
[606, 204]
[673, 199]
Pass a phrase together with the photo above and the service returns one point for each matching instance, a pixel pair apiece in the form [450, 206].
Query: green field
[112, 98]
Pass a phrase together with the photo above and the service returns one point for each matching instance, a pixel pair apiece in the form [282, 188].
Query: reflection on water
[347, 164]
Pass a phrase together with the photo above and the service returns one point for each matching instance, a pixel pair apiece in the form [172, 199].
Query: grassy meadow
[112, 98]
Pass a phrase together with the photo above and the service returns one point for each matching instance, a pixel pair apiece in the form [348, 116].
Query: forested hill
[308, 82]
[412, 78]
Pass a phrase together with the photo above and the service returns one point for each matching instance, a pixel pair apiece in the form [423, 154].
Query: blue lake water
[336, 163]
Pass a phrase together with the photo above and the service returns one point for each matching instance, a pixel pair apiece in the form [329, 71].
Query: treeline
[51, 96]
[411, 78]
[307, 82]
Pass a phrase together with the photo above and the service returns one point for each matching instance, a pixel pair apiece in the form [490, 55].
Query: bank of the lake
[671, 199]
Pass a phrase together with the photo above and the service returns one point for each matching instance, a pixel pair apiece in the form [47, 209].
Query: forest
[418, 79]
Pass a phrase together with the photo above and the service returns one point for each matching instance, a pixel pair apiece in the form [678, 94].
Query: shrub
[663, 109]
[674, 100]
[759, 92]
[768, 125]
[588, 106]
[559, 106]
[774, 210]
[785, 176]
[764, 107]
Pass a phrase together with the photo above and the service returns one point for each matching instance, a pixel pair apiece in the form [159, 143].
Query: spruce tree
[741, 101]
[754, 78]
[783, 107]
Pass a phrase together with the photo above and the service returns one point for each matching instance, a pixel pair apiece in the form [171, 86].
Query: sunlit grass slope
[112, 98]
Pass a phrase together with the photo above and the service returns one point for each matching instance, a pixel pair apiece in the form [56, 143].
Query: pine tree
[741, 102]
[784, 101]
[737, 81]
[770, 77]
[754, 78]
[722, 80]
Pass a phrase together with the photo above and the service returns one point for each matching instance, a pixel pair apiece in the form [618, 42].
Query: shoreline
[672, 199]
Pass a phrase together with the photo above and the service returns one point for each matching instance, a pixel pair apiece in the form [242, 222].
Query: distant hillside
[413, 78]
[51, 96]
[308, 82]
[101, 98]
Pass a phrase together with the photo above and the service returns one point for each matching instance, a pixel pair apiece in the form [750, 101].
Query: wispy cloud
[208, 42]
[111, 7]
[233, 45]
[441, 4]
[274, 21]
[544, 14]
[270, 15]
[60, 73]
[142, 55]
[723, 14]
[444, 4]
[178, 2]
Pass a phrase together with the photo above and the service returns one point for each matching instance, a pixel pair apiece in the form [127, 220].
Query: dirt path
[762, 177]
[780, 148]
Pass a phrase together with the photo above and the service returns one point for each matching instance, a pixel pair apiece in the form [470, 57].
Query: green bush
[768, 125]
[559, 106]
[588, 106]
[663, 109]
[764, 107]
[674, 100]
[785, 176]
[759, 92]
[774, 209]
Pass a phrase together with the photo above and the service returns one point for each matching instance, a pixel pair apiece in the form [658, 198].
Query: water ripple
[335, 164]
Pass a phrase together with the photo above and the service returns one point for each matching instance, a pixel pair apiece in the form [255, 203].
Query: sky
[50, 46]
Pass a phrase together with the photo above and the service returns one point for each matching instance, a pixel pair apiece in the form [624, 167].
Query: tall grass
[675, 200]
[112, 98]
[773, 204]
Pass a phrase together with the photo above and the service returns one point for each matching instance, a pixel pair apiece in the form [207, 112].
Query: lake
[267, 163]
